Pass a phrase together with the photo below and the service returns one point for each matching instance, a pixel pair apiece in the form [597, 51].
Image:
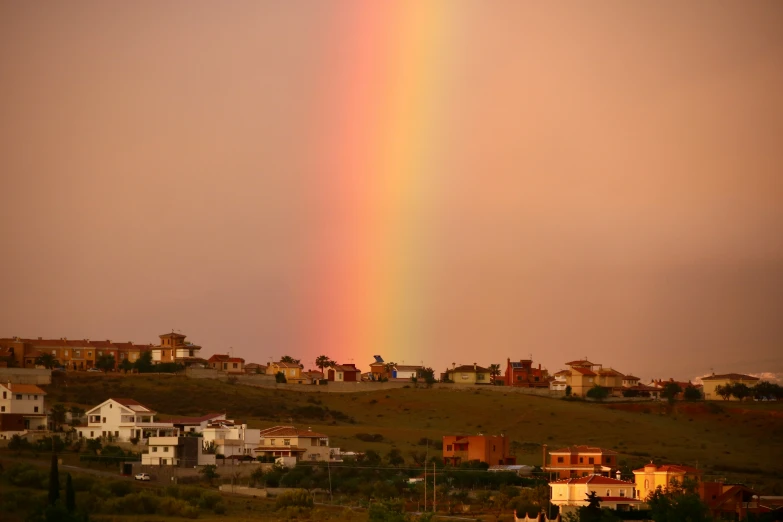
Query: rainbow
[379, 155]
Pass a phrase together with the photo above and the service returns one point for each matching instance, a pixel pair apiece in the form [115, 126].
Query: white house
[560, 381]
[123, 419]
[196, 424]
[405, 372]
[570, 494]
[175, 451]
[287, 441]
[21, 409]
[232, 440]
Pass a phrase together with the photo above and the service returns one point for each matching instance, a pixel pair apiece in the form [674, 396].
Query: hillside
[735, 441]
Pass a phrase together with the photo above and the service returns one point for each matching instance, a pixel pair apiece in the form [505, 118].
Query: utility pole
[434, 489]
[329, 469]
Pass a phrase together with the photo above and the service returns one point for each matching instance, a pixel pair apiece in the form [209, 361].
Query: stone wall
[25, 375]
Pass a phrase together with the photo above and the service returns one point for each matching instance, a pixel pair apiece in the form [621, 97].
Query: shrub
[369, 437]
[209, 499]
[295, 498]
[120, 488]
[219, 509]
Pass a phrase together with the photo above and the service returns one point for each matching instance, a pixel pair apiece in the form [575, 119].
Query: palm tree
[322, 362]
[494, 371]
[289, 359]
[46, 360]
[389, 367]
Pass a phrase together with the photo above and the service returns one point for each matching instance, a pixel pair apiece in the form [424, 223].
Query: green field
[733, 441]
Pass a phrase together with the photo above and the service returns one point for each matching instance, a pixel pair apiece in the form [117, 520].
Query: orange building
[492, 449]
[523, 374]
[580, 461]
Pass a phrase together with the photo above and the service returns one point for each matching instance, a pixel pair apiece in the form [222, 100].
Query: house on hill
[406, 372]
[492, 449]
[288, 441]
[569, 494]
[468, 374]
[711, 382]
[226, 363]
[580, 461]
[291, 371]
[123, 420]
[378, 370]
[21, 409]
[652, 476]
[344, 373]
[174, 349]
[522, 374]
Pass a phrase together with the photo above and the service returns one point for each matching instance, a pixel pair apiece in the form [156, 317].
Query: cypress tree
[54, 481]
[70, 495]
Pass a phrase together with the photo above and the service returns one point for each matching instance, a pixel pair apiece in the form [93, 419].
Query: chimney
[474, 367]
[618, 475]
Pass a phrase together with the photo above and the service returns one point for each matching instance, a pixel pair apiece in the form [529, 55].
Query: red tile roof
[469, 368]
[730, 376]
[598, 480]
[584, 371]
[631, 378]
[610, 371]
[23, 388]
[671, 468]
[576, 450]
[289, 431]
[583, 362]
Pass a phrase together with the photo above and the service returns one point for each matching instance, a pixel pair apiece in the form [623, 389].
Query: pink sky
[609, 183]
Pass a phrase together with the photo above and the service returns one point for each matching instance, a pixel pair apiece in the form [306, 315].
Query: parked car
[142, 476]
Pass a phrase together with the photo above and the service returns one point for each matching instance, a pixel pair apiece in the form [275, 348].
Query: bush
[296, 498]
[369, 437]
[209, 499]
[120, 488]
[598, 393]
[219, 509]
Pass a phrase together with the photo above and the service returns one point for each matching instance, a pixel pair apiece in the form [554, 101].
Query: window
[77, 353]
[35, 397]
[272, 442]
[166, 449]
[66, 353]
[559, 460]
[235, 365]
[163, 461]
[225, 366]
[480, 376]
[104, 420]
[448, 447]
[4, 395]
[89, 354]
[292, 372]
[608, 492]
[35, 409]
[286, 442]
[2, 408]
[622, 492]
[493, 448]
[591, 460]
[154, 449]
[608, 460]
[116, 433]
[581, 460]
[18, 396]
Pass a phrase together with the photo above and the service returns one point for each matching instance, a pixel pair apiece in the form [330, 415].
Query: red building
[492, 449]
[524, 375]
[580, 461]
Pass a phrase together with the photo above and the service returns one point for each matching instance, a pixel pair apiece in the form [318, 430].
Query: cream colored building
[711, 382]
[468, 374]
[292, 372]
[288, 441]
[571, 494]
[652, 476]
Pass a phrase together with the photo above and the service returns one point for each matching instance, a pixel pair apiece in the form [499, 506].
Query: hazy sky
[608, 180]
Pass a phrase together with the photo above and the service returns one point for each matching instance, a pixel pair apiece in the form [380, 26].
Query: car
[93, 370]
[142, 476]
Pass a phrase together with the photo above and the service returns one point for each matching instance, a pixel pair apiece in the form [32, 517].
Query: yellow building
[652, 476]
[711, 382]
[467, 374]
[571, 493]
[292, 372]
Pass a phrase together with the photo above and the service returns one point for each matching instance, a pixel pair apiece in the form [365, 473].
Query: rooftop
[597, 480]
[23, 388]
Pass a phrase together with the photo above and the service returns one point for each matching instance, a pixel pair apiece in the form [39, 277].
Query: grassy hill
[742, 442]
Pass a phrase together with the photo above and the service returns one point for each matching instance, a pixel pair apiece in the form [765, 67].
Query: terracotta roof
[195, 420]
[563, 372]
[597, 480]
[609, 371]
[281, 364]
[584, 371]
[575, 450]
[344, 368]
[631, 378]
[731, 377]
[289, 431]
[172, 334]
[583, 362]
[469, 368]
[132, 404]
[671, 468]
[23, 388]
[219, 357]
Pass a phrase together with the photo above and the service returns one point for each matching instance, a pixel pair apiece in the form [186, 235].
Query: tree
[395, 458]
[105, 362]
[568, 390]
[47, 360]
[322, 362]
[389, 367]
[289, 359]
[598, 393]
[70, 494]
[691, 393]
[58, 415]
[724, 391]
[76, 415]
[54, 481]
[670, 391]
[372, 457]
[126, 365]
[280, 378]
[494, 371]
[428, 374]
[740, 390]
[94, 446]
[766, 390]
[210, 472]
[144, 363]
[676, 504]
